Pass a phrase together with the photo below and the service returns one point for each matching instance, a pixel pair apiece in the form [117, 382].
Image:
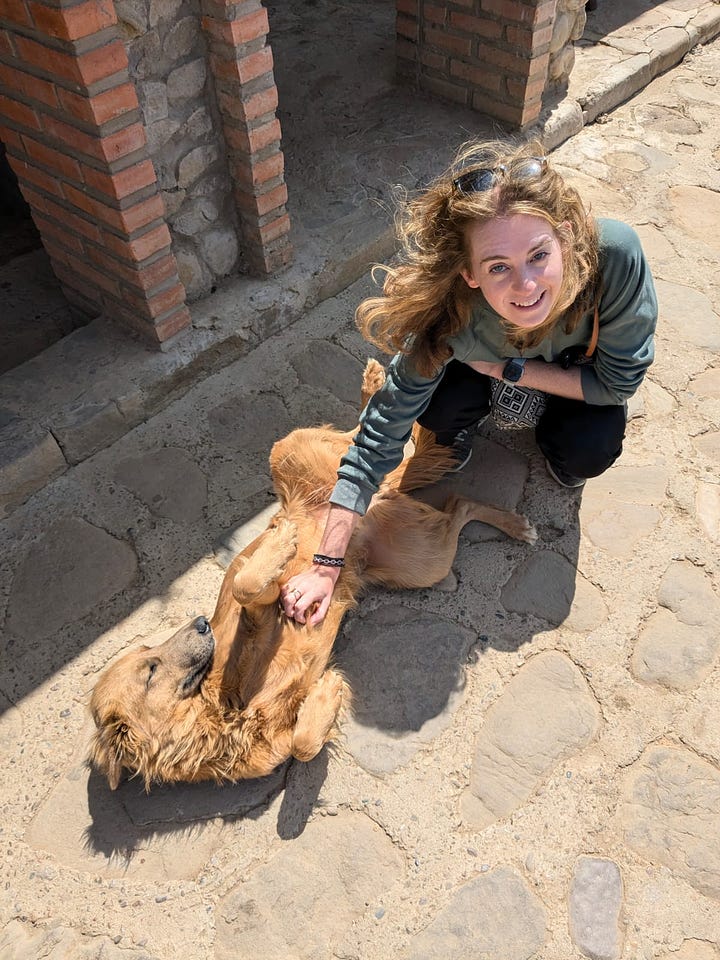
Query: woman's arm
[549, 377]
[316, 584]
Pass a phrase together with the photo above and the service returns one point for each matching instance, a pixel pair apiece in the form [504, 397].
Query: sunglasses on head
[485, 178]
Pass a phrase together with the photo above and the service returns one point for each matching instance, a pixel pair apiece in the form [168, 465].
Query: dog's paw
[525, 530]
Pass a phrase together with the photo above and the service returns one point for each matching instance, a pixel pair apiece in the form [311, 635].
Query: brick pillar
[70, 121]
[242, 66]
[491, 55]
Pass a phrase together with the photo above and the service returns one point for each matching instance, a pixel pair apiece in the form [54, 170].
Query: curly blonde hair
[425, 298]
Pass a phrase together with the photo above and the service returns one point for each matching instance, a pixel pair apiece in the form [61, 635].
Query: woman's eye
[541, 254]
[498, 268]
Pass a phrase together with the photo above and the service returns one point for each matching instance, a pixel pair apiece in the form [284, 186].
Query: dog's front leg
[317, 715]
[256, 582]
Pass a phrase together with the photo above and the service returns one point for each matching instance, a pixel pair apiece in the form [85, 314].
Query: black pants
[581, 439]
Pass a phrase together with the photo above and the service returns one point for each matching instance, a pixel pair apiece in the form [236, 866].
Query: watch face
[513, 370]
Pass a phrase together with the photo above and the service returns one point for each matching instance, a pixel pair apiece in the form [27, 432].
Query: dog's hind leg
[513, 524]
[317, 715]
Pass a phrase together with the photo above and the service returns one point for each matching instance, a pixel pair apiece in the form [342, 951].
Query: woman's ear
[469, 279]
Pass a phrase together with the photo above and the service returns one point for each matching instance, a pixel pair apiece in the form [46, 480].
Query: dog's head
[145, 695]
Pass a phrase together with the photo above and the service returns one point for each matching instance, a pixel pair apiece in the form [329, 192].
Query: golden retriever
[235, 696]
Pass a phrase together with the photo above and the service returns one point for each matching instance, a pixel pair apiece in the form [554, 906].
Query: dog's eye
[152, 667]
[202, 625]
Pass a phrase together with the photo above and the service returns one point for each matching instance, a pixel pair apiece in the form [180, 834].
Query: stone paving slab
[533, 767]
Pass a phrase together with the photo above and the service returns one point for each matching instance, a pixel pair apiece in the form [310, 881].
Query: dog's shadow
[129, 820]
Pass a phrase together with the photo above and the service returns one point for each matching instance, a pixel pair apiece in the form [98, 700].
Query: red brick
[261, 103]
[476, 75]
[97, 280]
[264, 203]
[243, 69]
[134, 218]
[169, 326]
[103, 107]
[122, 143]
[514, 62]
[6, 45]
[407, 6]
[479, 26]
[434, 61]
[444, 89]
[271, 231]
[63, 216]
[532, 40]
[254, 139]
[520, 90]
[52, 158]
[160, 303]
[460, 46]
[240, 30]
[11, 139]
[102, 62]
[139, 248]
[19, 113]
[40, 179]
[432, 13]
[153, 274]
[54, 62]
[71, 23]
[122, 184]
[258, 173]
[32, 87]
[404, 50]
[16, 11]
[66, 239]
[407, 27]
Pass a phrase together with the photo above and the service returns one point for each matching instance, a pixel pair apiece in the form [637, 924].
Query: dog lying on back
[234, 696]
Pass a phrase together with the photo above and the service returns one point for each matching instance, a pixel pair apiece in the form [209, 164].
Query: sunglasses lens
[475, 181]
[478, 181]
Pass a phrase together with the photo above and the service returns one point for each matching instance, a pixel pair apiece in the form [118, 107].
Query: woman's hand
[313, 588]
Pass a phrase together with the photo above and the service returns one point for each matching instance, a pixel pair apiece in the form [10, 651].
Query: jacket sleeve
[628, 316]
[385, 427]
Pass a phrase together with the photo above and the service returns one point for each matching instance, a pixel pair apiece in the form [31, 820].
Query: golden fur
[236, 696]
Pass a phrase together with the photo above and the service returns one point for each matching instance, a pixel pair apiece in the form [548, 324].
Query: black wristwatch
[514, 369]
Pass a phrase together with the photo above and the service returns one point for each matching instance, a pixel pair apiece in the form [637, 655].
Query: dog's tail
[428, 463]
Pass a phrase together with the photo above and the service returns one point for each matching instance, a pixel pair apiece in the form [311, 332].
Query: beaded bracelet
[324, 561]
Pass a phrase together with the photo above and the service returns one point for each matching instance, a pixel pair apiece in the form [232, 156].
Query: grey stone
[158, 136]
[193, 274]
[678, 645]
[159, 10]
[323, 364]
[707, 508]
[495, 916]
[182, 38]
[196, 163]
[671, 814]
[404, 669]
[596, 897]
[67, 574]
[249, 423]
[198, 125]
[168, 481]
[195, 216]
[219, 249]
[30, 458]
[588, 610]
[324, 880]
[133, 14]
[234, 540]
[154, 100]
[696, 210]
[187, 81]
[173, 200]
[21, 940]
[545, 714]
[543, 586]
[87, 428]
[85, 827]
[690, 314]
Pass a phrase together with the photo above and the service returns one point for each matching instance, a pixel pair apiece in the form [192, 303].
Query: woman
[504, 278]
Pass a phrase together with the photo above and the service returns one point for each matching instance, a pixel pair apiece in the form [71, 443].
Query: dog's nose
[202, 625]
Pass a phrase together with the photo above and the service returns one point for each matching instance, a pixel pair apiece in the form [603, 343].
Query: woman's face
[516, 262]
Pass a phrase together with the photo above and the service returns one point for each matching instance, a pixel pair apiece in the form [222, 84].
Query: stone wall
[168, 61]
[568, 27]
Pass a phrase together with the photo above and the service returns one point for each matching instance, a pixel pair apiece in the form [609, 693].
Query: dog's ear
[107, 750]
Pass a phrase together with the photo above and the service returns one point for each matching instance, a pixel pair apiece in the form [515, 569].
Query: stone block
[29, 459]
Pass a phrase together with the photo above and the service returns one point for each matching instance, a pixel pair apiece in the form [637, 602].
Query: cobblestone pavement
[533, 768]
